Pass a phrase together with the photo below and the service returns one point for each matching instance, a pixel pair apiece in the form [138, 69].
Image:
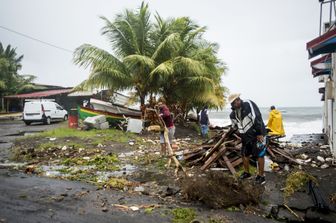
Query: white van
[43, 110]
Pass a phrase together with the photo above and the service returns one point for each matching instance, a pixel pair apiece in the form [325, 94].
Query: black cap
[272, 107]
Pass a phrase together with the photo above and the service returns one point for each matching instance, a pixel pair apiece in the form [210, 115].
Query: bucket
[73, 118]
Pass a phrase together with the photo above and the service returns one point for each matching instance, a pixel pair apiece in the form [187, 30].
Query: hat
[233, 97]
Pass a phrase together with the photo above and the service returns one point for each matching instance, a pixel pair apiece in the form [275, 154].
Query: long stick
[171, 154]
[295, 214]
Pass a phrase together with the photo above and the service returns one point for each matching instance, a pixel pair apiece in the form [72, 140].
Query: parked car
[43, 110]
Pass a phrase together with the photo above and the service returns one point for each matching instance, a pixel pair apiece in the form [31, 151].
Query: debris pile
[216, 190]
[224, 151]
[96, 122]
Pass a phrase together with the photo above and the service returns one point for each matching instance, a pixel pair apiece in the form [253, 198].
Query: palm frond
[132, 61]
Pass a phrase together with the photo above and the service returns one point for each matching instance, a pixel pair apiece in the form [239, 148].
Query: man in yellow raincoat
[275, 124]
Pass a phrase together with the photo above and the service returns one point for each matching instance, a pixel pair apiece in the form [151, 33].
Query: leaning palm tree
[128, 65]
[168, 57]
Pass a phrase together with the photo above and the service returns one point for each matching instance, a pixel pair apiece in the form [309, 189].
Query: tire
[65, 117]
[47, 121]
[27, 122]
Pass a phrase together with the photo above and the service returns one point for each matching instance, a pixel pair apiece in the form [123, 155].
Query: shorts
[254, 148]
[249, 148]
[171, 133]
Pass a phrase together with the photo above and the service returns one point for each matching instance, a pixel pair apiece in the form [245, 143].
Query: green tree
[129, 65]
[10, 63]
[167, 57]
[190, 73]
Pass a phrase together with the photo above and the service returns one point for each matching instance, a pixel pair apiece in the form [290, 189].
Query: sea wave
[291, 127]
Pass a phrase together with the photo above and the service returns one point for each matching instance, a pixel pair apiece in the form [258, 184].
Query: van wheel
[65, 117]
[27, 123]
[47, 121]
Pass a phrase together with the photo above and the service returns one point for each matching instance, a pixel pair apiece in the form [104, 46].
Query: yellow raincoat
[275, 123]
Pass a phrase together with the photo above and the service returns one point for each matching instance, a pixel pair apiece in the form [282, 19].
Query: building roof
[39, 94]
[325, 43]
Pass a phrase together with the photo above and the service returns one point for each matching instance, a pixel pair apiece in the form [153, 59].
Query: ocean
[297, 120]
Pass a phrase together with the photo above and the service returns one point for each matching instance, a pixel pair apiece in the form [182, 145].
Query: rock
[134, 208]
[308, 160]
[86, 158]
[104, 209]
[100, 145]
[80, 150]
[300, 161]
[64, 148]
[122, 155]
[139, 189]
[30, 169]
[324, 147]
[171, 190]
[313, 165]
[324, 166]
[320, 158]
[52, 139]
[329, 159]
[304, 156]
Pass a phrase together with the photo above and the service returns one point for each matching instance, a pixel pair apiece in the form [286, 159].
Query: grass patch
[149, 210]
[161, 163]
[101, 162]
[296, 181]
[103, 135]
[118, 183]
[253, 170]
[183, 215]
[88, 176]
[196, 127]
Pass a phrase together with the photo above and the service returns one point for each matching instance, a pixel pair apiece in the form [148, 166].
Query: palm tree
[168, 57]
[10, 63]
[129, 65]
[190, 73]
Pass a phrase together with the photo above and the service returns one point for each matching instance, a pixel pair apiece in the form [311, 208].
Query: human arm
[259, 125]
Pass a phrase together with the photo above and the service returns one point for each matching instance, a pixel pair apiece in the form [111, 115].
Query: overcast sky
[263, 42]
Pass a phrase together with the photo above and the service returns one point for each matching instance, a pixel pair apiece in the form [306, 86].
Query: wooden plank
[222, 163]
[194, 162]
[236, 162]
[286, 156]
[194, 155]
[215, 156]
[229, 165]
[218, 144]
[269, 150]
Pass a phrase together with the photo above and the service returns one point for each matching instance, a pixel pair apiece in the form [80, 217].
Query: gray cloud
[262, 41]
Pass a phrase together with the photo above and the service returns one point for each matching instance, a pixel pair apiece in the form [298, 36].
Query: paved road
[13, 129]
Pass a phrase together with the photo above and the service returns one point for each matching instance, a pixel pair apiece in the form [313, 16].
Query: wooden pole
[171, 154]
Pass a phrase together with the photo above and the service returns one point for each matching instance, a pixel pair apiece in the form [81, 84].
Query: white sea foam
[291, 127]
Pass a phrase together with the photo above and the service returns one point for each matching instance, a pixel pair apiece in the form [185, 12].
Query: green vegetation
[101, 162]
[167, 57]
[253, 170]
[183, 215]
[296, 181]
[149, 210]
[104, 135]
[118, 183]
[10, 81]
